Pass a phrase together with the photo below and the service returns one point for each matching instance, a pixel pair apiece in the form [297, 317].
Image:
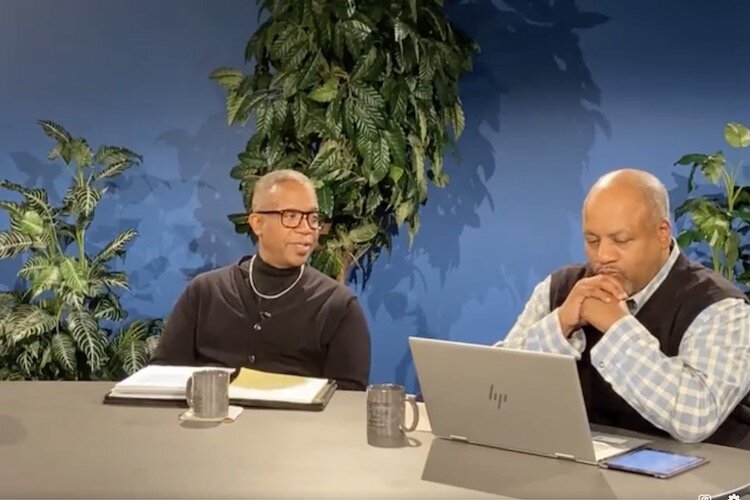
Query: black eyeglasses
[291, 219]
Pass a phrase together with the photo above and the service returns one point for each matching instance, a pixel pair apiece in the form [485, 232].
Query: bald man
[663, 344]
[270, 311]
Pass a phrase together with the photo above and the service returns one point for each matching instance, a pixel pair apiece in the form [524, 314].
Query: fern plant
[61, 322]
[719, 222]
[361, 95]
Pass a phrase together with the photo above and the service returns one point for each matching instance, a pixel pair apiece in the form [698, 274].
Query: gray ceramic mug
[386, 408]
[207, 393]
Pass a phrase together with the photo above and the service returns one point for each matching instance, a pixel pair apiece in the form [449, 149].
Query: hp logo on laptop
[497, 396]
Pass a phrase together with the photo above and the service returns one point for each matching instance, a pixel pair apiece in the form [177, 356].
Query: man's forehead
[288, 195]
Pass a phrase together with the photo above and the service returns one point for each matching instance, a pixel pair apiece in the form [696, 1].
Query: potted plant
[719, 222]
[362, 97]
[62, 321]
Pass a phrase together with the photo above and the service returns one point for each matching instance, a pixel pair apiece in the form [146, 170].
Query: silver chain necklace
[275, 296]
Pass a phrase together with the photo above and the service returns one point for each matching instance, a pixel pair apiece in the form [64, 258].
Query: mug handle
[189, 391]
[414, 412]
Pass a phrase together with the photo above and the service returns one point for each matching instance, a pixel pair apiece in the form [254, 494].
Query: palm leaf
[28, 320]
[34, 265]
[152, 342]
[130, 347]
[79, 151]
[88, 337]
[27, 360]
[115, 279]
[15, 211]
[108, 307]
[12, 243]
[82, 198]
[64, 351]
[115, 247]
[112, 170]
[74, 275]
[43, 273]
[36, 198]
[133, 355]
[8, 301]
[55, 131]
[73, 300]
[129, 352]
[31, 224]
[111, 155]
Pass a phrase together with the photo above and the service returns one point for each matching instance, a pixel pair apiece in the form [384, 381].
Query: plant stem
[715, 259]
[80, 234]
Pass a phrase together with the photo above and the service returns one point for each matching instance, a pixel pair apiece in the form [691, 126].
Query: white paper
[160, 381]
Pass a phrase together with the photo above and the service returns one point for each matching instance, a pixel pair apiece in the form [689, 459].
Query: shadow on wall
[180, 218]
[531, 118]
[183, 218]
[205, 159]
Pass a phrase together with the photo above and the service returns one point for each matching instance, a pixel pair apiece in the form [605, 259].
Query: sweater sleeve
[177, 342]
[348, 357]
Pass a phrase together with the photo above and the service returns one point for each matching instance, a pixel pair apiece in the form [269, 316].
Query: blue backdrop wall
[561, 92]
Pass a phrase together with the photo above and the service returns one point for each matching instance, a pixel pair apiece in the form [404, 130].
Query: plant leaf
[64, 351]
[691, 159]
[325, 201]
[403, 211]
[88, 337]
[73, 275]
[326, 92]
[112, 170]
[83, 198]
[363, 233]
[13, 242]
[80, 152]
[36, 198]
[31, 224]
[737, 135]
[229, 78]
[108, 307]
[28, 320]
[116, 246]
[55, 131]
[111, 155]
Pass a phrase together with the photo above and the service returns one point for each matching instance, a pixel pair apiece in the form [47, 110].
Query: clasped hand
[598, 301]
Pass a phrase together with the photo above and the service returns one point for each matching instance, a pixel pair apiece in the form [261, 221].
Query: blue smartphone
[652, 462]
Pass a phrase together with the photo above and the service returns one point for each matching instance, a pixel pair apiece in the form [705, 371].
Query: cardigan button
[251, 358]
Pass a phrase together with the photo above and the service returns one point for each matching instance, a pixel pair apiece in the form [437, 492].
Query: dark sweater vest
[687, 290]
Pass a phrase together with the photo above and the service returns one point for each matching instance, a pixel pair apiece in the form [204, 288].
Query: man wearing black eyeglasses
[271, 311]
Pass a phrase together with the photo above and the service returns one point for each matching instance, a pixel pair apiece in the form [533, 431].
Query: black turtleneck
[270, 280]
[316, 329]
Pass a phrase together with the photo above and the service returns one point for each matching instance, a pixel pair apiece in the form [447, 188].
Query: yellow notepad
[265, 386]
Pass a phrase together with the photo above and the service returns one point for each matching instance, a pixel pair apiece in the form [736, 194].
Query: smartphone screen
[660, 463]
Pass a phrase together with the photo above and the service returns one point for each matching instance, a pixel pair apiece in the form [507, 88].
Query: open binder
[158, 385]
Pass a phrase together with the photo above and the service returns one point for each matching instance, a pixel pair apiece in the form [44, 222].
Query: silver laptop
[511, 399]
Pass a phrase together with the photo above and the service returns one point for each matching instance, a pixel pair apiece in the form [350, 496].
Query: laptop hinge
[458, 438]
[564, 456]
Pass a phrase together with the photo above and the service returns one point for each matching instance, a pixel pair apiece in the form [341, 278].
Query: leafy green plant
[362, 97]
[719, 220]
[60, 322]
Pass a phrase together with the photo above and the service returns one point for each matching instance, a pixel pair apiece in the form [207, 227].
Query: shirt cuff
[547, 336]
[614, 343]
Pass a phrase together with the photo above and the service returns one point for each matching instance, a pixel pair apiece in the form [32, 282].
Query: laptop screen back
[507, 398]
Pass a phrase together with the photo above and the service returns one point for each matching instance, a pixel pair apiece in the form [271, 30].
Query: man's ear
[256, 223]
[665, 233]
